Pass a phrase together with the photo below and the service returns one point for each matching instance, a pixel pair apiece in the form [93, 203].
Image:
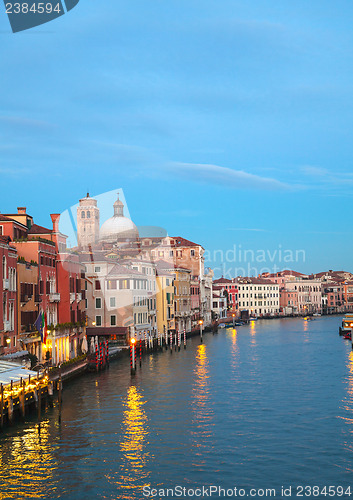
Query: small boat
[316, 314]
[347, 336]
[252, 318]
[222, 325]
[239, 323]
[347, 325]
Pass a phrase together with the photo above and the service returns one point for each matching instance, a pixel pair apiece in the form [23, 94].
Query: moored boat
[347, 325]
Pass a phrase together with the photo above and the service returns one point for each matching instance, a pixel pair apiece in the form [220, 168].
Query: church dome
[118, 227]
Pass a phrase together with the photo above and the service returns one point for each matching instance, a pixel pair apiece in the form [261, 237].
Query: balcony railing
[7, 326]
[54, 297]
[5, 284]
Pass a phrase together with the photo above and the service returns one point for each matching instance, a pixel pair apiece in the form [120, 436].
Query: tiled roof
[35, 229]
[254, 281]
[163, 264]
[183, 242]
[119, 270]
[222, 280]
[5, 219]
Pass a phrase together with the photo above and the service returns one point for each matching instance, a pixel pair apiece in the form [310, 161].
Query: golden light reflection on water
[202, 411]
[135, 457]
[27, 464]
[253, 333]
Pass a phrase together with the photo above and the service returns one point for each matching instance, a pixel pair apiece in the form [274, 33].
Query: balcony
[7, 326]
[54, 297]
[5, 284]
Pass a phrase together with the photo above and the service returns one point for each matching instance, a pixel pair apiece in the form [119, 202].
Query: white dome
[118, 227]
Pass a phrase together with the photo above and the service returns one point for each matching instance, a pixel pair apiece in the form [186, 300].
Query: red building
[230, 289]
[8, 297]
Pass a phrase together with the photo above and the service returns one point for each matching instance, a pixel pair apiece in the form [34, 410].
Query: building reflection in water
[134, 471]
[27, 463]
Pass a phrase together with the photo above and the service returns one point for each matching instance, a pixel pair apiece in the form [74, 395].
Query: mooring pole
[60, 395]
[2, 407]
[23, 398]
[201, 322]
[184, 338]
[133, 357]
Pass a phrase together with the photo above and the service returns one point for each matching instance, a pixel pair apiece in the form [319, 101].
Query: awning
[12, 371]
[15, 355]
[106, 331]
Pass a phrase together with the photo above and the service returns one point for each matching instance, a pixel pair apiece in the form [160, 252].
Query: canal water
[266, 405]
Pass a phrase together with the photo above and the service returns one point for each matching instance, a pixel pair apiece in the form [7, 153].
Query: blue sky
[227, 122]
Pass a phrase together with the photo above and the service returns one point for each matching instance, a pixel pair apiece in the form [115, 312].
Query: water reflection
[203, 413]
[135, 457]
[252, 333]
[27, 463]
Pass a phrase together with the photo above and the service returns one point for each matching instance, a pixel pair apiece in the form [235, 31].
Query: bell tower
[87, 222]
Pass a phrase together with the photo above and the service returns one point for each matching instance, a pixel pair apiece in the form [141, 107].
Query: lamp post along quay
[133, 356]
[201, 323]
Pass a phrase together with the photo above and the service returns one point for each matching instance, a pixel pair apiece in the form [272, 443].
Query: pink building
[8, 297]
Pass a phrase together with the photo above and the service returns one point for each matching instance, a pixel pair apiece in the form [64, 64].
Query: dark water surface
[267, 405]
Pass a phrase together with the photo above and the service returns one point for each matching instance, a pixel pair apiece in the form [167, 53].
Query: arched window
[83, 215]
[88, 214]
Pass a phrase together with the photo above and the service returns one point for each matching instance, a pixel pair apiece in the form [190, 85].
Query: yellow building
[165, 298]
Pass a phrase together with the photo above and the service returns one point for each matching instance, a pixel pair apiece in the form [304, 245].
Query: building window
[113, 320]
[83, 215]
[98, 320]
[171, 253]
[97, 285]
[1, 230]
[97, 269]
[88, 214]
[111, 285]
[112, 302]
[98, 303]
[192, 253]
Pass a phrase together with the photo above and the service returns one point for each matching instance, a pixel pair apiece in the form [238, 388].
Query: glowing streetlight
[201, 323]
[133, 356]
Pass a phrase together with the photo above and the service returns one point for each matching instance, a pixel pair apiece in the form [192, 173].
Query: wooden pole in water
[2, 407]
[140, 352]
[23, 399]
[10, 407]
[39, 392]
[60, 395]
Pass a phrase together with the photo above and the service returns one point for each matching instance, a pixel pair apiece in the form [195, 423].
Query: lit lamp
[233, 320]
[133, 356]
[200, 323]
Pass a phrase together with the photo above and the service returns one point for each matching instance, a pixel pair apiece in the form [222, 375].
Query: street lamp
[233, 320]
[133, 356]
[201, 323]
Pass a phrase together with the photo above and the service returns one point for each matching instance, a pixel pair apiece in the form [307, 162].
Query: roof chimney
[21, 210]
[55, 220]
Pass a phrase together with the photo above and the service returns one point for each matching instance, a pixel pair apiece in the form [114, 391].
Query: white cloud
[225, 176]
